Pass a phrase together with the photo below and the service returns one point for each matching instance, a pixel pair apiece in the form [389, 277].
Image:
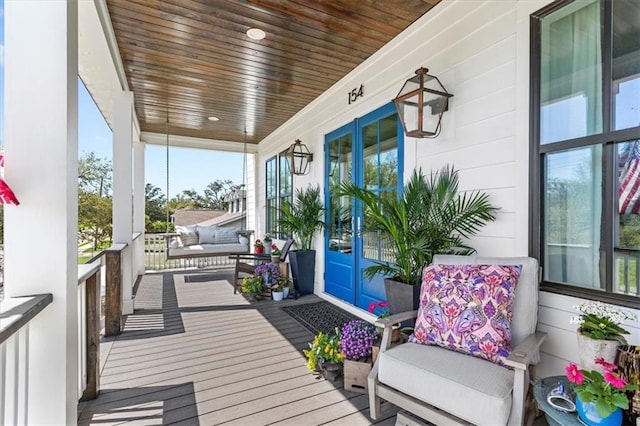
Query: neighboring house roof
[225, 219]
[182, 217]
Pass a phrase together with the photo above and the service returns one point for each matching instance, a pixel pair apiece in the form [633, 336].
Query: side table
[554, 417]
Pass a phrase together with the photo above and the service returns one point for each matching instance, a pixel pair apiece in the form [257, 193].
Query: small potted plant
[275, 253]
[258, 247]
[381, 310]
[598, 396]
[325, 356]
[266, 240]
[600, 331]
[277, 290]
[270, 272]
[252, 287]
[285, 283]
[357, 339]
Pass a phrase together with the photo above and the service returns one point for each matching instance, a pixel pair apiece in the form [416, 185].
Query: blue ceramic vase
[589, 415]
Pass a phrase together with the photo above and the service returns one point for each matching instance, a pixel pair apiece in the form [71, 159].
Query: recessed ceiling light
[256, 34]
[212, 118]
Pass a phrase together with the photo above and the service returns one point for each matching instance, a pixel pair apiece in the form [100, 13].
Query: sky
[189, 168]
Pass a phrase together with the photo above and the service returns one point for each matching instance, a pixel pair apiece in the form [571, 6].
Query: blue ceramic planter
[588, 414]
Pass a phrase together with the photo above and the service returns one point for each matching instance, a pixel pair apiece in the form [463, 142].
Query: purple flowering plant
[269, 271]
[357, 338]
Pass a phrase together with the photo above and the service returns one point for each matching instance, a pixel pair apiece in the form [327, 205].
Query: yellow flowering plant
[324, 348]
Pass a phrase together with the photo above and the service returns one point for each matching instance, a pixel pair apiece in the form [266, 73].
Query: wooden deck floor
[194, 353]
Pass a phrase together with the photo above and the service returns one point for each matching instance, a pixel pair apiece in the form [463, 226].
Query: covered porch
[184, 353]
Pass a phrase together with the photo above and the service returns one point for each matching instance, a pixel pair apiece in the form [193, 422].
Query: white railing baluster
[23, 376]
[3, 381]
[14, 355]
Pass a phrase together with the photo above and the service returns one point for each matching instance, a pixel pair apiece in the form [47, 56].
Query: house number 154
[355, 94]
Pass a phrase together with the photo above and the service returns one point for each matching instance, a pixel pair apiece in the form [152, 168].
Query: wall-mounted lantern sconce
[421, 103]
[299, 158]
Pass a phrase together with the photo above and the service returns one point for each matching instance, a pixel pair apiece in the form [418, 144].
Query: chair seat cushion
[473, 389]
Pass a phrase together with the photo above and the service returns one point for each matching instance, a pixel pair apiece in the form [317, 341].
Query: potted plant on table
[302, 219]
[600, 331]
[266, 240]
[430, 217]
[275, 254]
[600, 398]
[258, 247]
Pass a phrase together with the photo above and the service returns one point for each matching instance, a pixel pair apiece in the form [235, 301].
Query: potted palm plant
[430, 217]
[302, 219]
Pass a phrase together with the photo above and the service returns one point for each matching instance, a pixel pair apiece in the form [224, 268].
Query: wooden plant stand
[355, 375]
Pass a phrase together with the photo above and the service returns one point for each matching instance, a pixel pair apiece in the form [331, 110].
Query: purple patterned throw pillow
[467, 308]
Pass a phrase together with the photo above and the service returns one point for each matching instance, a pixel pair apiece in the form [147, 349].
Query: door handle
[358, 227]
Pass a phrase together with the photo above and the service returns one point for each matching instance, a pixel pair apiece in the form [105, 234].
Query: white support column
[41, 165]
[139, 200]
[123, 188]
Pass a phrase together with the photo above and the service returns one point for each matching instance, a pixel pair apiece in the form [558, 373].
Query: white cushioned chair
[448, 387]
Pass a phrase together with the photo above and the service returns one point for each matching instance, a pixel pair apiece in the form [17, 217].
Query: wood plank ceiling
[191, 59]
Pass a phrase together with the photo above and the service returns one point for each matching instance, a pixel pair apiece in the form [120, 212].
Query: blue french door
[367, 152]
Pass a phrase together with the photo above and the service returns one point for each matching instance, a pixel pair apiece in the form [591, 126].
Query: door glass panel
[370, 156]
[380, 165]
[389, 152]
[340, 213]
[626, 64]
[627, 247]
[573, 212]
[571, 72]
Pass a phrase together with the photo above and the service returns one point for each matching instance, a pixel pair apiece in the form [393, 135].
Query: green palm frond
[303, 218]
[431, 217]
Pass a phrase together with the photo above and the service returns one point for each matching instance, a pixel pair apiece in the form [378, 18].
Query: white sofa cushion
[207, 234]
[475, 390]
[188, 235]
[227, 236]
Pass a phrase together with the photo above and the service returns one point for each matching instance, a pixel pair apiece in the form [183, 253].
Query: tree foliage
[94, 199]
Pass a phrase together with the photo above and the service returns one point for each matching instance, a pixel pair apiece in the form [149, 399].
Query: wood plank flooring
[193, 353]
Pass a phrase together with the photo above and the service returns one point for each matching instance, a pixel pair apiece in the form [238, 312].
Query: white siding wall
[480, 52]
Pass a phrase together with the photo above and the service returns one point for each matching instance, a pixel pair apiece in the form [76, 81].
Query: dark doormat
[319, 316]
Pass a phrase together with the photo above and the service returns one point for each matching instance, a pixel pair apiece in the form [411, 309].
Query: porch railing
[89, 326]
[574, 263]
[16, 316]
[628, 271]
[155, 257]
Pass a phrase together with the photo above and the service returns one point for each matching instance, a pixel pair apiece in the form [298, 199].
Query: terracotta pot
[259, 250]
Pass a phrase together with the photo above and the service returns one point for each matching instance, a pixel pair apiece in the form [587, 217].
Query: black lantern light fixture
[299, 158]
[421, 103]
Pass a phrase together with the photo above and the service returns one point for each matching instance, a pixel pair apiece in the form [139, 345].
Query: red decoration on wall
[6, 194]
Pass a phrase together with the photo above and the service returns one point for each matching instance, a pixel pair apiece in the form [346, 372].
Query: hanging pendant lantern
[421, 103]
[299, 158]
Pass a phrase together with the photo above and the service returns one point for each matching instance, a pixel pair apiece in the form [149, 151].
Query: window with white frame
[585, 148]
